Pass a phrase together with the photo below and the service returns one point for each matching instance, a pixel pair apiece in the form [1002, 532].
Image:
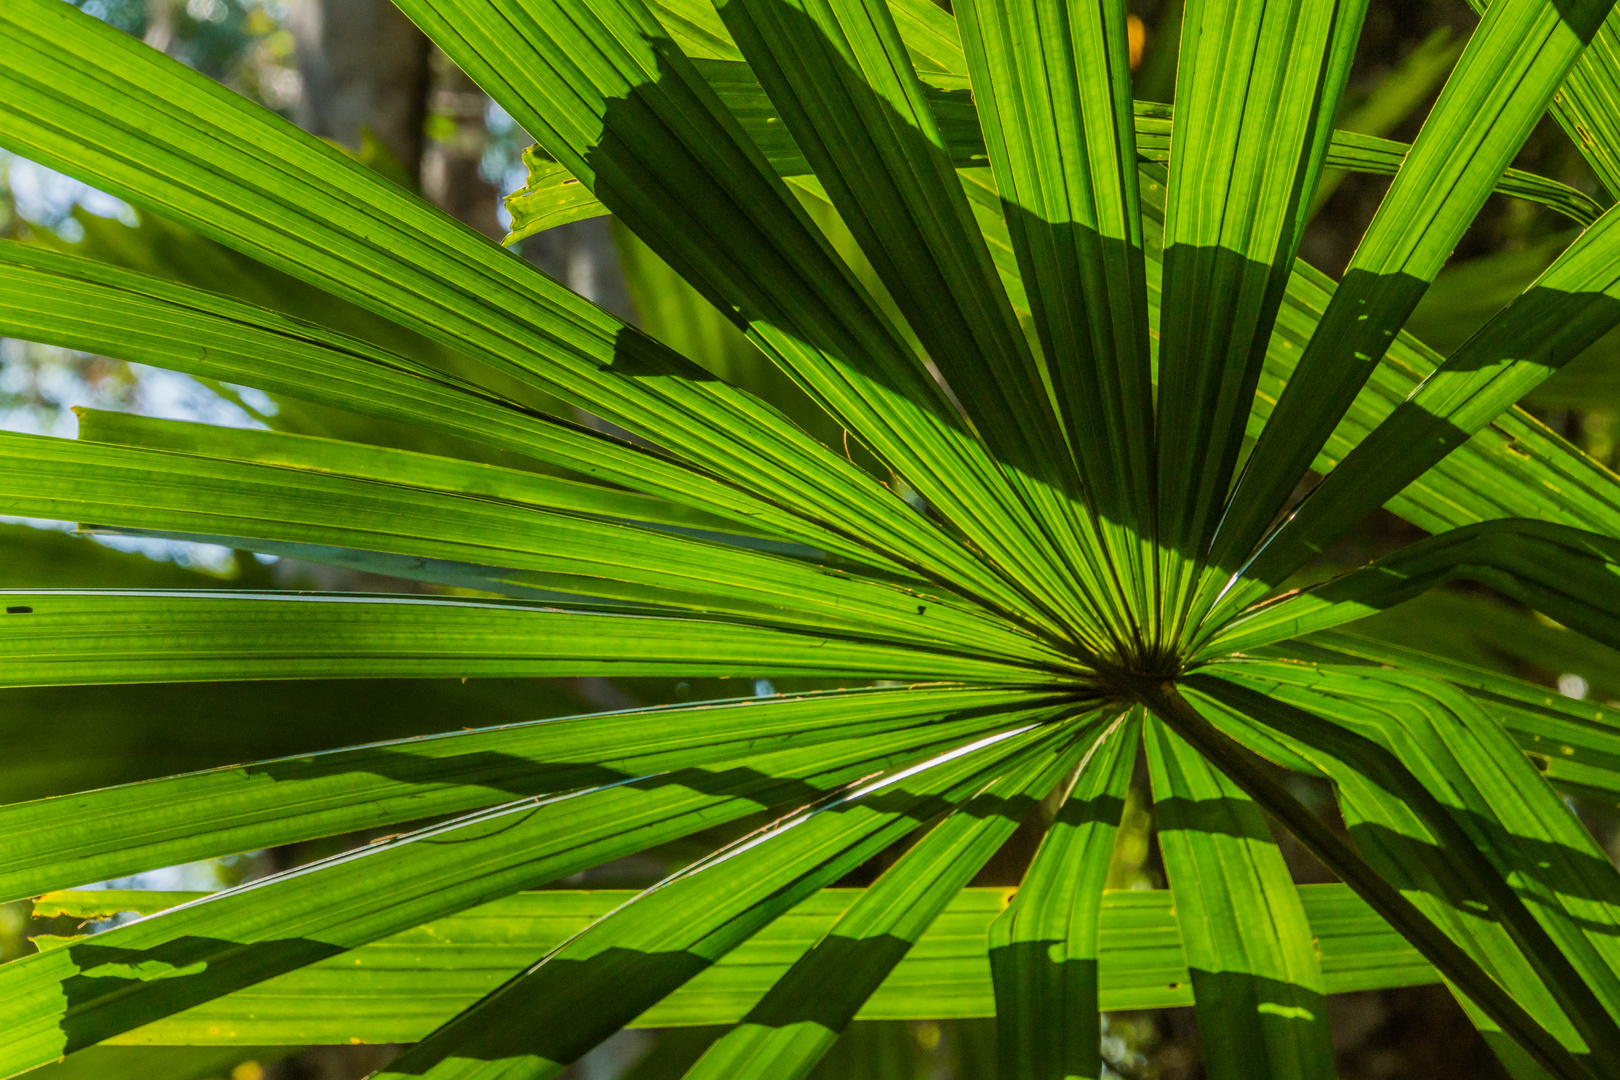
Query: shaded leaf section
[598, 981]
[1260, 999]
[1509, 71]
[1045, 949]
[115, 831]
[1440, 800]
[798, 1021]
[86, 992]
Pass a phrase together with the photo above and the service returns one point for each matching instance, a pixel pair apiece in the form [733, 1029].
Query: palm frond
[968, 385]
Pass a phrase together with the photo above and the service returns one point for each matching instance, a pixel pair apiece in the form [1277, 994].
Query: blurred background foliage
[357, 73]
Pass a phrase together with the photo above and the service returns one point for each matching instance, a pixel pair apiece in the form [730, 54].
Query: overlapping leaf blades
[1031, 505]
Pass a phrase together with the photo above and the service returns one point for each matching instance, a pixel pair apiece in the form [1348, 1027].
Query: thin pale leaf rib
[116, 831]
[1261, 1001]
[1509, 71]
[1247, 155]
[844, 89]
[138, 124]
[141, 972]
[76, 638]
[1052, 88]
[607, 94]
[930, 35]
[1431, 787]
[601, 979]
[1045, 949]
[172, 491]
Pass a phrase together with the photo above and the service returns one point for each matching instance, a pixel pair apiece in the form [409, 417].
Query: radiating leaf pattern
[969, 386]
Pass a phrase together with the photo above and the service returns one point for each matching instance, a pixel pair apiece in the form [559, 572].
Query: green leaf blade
[1045, 948]
[804, 1013]
[1061, 140]
[1257, 983]
[638, 954]
[1508, 73]
[1241, 174]
[160, 965]
[99, 835]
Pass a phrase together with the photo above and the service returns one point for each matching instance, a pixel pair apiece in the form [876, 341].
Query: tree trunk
[365, 69]
[451, 175]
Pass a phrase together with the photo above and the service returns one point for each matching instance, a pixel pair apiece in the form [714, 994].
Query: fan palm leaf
[1076, 372]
